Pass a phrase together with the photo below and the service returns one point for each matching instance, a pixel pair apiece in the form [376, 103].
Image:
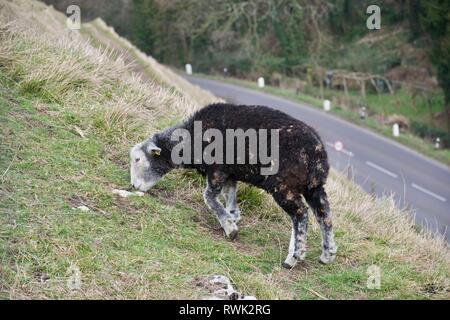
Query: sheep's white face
[143, 165]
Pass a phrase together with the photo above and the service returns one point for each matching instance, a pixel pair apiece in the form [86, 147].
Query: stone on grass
[220, 288]
[81, 208]
[126, 194]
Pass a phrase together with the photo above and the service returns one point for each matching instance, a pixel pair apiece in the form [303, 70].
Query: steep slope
[69, 112]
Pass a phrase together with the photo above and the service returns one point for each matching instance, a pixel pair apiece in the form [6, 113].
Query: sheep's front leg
[229, 193]
[212, 192]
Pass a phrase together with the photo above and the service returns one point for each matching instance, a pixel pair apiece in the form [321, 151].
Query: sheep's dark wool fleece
[303, 159]
[302, 169]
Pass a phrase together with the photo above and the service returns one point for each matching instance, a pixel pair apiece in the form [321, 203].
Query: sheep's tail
[318, 164]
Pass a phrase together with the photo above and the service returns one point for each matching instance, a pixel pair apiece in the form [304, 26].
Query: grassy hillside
[69, 113]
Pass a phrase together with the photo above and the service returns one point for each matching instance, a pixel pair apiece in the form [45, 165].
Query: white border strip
[375, 166]
[428, 192]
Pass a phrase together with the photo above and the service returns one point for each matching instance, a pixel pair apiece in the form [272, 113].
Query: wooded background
[295, 38]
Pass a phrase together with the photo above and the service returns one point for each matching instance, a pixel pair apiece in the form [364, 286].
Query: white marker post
[437, 143]
[395, 130]
[326, 105]
[188, 69]
[261, 83]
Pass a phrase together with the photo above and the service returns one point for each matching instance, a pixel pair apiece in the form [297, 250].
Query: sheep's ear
[153, 149]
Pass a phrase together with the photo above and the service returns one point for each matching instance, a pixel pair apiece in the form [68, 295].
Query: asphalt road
[379, 165]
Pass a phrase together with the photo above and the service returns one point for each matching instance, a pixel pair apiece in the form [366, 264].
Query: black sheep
[298, 166]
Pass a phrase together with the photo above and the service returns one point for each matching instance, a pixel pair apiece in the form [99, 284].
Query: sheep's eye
[137, 159]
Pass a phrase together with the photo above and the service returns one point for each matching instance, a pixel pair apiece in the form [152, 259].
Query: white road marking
[375, 166]
[428, 192]
[344, 151]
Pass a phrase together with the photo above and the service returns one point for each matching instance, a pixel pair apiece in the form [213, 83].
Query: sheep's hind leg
[211, 194]
[298, 212]
[318, 201]
[229, 193]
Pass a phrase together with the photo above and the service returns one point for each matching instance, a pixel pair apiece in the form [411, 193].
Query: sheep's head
[146, 165]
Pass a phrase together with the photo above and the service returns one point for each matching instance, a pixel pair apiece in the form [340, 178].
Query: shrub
[423, 130]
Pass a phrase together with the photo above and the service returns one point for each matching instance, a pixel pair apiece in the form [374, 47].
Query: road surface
[379, 165]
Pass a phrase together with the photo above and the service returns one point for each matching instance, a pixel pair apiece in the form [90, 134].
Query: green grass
[152, 247]
[55, 169]
[371, 53]
[385, 104]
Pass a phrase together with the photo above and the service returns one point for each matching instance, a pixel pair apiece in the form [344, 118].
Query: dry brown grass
[79, 69]
[106, 35]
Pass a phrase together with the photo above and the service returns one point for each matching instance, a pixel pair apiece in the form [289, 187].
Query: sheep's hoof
[327, 258]
[289, 263]
[233, 235]
[230, 228]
